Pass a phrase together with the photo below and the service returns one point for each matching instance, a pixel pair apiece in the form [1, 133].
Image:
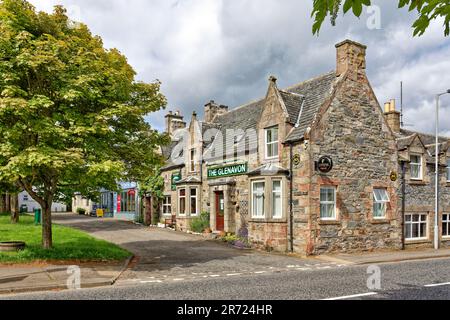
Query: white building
[26, 200]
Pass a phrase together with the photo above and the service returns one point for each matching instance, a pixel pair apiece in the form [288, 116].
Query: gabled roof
[406, 137]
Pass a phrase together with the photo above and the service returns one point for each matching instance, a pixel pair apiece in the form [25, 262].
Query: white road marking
[233, 274]
[353, 296]
[151, 281]
[178, 279]
[303, 269]
[259, 272]
[438, 284]
[215, 275]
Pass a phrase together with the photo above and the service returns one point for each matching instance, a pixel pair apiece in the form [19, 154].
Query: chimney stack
[392, 116]
[174, 121]
[212, 110]
[350, 58]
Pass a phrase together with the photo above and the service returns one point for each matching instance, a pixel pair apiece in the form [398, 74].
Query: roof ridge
[309, 80]
[426, 134]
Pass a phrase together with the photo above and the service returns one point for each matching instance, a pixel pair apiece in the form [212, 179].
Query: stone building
[314, 168]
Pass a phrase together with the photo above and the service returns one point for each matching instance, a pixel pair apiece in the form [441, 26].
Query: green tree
[427, 11]
[71, 111]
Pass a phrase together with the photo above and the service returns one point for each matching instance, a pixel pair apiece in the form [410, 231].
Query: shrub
[199, 224]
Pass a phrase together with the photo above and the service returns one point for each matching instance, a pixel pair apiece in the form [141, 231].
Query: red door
[220, 211]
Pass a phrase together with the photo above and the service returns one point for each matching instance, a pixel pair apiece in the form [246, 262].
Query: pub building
[315, 168]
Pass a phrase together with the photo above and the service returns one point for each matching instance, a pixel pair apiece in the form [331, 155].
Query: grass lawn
[68, 244]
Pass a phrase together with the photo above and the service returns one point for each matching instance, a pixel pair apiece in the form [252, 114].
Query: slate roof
[302, 102]
[315, 92]
[241, 118]
[406, 137]
[293, 103]
[268, 169]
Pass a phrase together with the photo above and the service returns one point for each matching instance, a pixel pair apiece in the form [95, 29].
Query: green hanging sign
[175, 178]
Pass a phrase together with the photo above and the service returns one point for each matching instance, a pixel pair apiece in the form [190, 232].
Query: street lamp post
[436, 203]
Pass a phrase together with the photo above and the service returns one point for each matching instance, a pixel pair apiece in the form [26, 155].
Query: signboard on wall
[227, 170]
[175, 178]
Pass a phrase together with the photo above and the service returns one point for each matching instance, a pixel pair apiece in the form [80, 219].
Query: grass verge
[68, 244]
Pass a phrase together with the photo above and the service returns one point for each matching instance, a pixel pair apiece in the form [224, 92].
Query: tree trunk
[7, 202]
[3, 203]
[47, 242]
[14, 202]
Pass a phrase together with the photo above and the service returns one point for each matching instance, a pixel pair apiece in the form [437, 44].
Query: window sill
[417, 241]
[417, 182]
[255, 220]
[329, 222]
[379, 221]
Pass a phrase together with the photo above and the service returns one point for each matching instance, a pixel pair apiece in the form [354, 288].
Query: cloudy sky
[224, 50]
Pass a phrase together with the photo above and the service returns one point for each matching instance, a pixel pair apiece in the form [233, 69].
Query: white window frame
[166, 205]
[196, 200]
[266, 143]
[447, 223]
[334, 217]
[382, 200]
[448, 170]
[280, 192]
[263, 215]
[411, 223]
[420, 164]
[179, 201]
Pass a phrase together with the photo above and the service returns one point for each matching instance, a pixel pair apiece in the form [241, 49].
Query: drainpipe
[291, 199]
[403, 203]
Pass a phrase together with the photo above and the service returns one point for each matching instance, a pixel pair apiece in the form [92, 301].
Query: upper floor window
[25, 197]
[271, 142]
[448, 170]
[328, 203]
[192, 160]
[258, 200]
[416, 167]
[380, 201]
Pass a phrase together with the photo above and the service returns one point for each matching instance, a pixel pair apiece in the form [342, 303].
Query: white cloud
[225, 49]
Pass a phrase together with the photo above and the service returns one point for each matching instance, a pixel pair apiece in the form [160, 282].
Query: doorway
[220, 211]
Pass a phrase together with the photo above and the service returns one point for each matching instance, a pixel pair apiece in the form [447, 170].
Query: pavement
[34, 277]
[172, 265]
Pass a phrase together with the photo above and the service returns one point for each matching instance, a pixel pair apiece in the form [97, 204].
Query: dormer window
[271, 142]
[416, 167]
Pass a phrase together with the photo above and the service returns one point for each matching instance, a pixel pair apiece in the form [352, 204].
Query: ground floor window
[193, 197]
[416, 226]
[167, 205]
[328, 203]
[258, 199]
[380, 201]
[446, 225]
[277, 206]
[182, 201]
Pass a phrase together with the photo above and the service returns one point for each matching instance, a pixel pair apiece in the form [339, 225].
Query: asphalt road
[405, 280]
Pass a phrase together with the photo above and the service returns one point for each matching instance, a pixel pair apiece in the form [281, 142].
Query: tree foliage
[427, 11]
[71, 112]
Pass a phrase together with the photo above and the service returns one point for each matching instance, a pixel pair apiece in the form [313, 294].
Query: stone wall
[352, 130]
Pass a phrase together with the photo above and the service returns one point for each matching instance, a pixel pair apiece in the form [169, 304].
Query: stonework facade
[257, 169]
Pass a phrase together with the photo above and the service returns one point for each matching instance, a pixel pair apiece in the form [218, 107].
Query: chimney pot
[273, 79]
